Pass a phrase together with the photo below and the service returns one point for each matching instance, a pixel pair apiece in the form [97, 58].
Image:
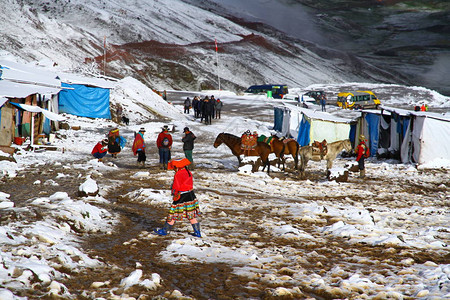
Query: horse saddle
[320, 148]
[249, 141]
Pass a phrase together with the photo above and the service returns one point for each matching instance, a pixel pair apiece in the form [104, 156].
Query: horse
[281, 147]
[333, 149]
[234, 143]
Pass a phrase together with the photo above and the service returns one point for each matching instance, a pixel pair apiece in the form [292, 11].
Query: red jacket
[99, 148]
[362, 150]
[161, 136]
[138, 143]
[182, 181]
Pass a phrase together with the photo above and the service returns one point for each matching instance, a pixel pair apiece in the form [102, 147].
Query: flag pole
[104, 55]
[217, 61]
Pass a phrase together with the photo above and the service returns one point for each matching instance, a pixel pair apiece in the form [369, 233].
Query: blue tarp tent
[84, 101]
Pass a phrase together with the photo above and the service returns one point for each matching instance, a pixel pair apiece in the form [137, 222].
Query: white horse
[333, 149]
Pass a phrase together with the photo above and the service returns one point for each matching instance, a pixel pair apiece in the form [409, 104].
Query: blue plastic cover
[83, 101]
[278, 119]
[373, 122]
[352, 133]
[303, 138]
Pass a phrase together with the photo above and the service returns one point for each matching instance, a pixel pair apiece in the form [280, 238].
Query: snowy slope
[71, 34]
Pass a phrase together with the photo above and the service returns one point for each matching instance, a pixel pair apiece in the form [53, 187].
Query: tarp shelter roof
[23, 73]
[36, 109]
[20, 73]
[20, 90]
[318, 115]
[77, 79]
[418, 113]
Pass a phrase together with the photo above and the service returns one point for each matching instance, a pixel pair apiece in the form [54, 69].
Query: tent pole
[32, 130]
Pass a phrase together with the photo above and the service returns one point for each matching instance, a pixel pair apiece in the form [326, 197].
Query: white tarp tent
[427, 139]
[309, 126]
[424, 136]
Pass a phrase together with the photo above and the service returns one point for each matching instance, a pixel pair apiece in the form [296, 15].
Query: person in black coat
[188, 143]
[187, 105]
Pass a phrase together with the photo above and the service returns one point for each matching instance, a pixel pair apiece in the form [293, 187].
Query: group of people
[206, 108]
[185, 203]
[115, 143]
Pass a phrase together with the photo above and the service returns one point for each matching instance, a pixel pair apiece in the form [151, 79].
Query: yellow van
[358, 100]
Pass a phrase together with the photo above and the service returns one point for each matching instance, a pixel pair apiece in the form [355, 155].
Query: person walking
[188, 143]
[218, 106]
[100, 149]
[139, 147]
[187, 105]
[164, 144]
[362, 152]
[185, 203]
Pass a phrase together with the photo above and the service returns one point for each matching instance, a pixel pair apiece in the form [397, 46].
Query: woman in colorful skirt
[185, 204]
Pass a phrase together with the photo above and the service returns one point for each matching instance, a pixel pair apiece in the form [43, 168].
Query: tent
[84, 97]
[85, 101]
[424, 136]
[31, 86]
[309, 125]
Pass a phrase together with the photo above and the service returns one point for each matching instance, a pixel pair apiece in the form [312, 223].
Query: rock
[338, 175]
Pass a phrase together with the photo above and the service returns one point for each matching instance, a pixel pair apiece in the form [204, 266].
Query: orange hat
[178, 163]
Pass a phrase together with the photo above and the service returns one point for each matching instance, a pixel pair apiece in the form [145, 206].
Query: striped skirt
[185, 207]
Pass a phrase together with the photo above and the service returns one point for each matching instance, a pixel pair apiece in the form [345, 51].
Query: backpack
[165, 142]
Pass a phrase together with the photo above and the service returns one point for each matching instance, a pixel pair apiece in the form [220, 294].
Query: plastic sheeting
[303, 138]
[36, 109]
[83, 101]
[373, 123]
[278, 119]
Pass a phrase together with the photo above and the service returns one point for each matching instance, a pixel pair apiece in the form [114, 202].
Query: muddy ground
[131, 242]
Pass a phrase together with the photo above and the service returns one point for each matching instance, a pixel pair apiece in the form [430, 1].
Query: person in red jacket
[185, 204]
[100, 149]
[362, 152]
[139, 147]
[164, 144]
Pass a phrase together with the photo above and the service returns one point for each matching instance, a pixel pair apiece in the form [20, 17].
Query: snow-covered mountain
[170, 44]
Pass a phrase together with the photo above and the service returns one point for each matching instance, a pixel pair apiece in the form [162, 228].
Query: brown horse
[282, 147]
[333, 149]
[234, 143]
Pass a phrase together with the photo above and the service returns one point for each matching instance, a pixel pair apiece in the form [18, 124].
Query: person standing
[188, 143]
[100, 149]
[185, 203]
[218, 105]
[362, 152]
[164, 144]
[139, 147]
[187, 105]
[209, 109]
[203, 106]
[115, 142]
[323, 102]
[195, 106]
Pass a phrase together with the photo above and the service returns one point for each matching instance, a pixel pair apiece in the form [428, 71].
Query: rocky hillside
[169, 44]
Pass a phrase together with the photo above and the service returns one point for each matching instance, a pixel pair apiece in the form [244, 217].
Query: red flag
[215, 41]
